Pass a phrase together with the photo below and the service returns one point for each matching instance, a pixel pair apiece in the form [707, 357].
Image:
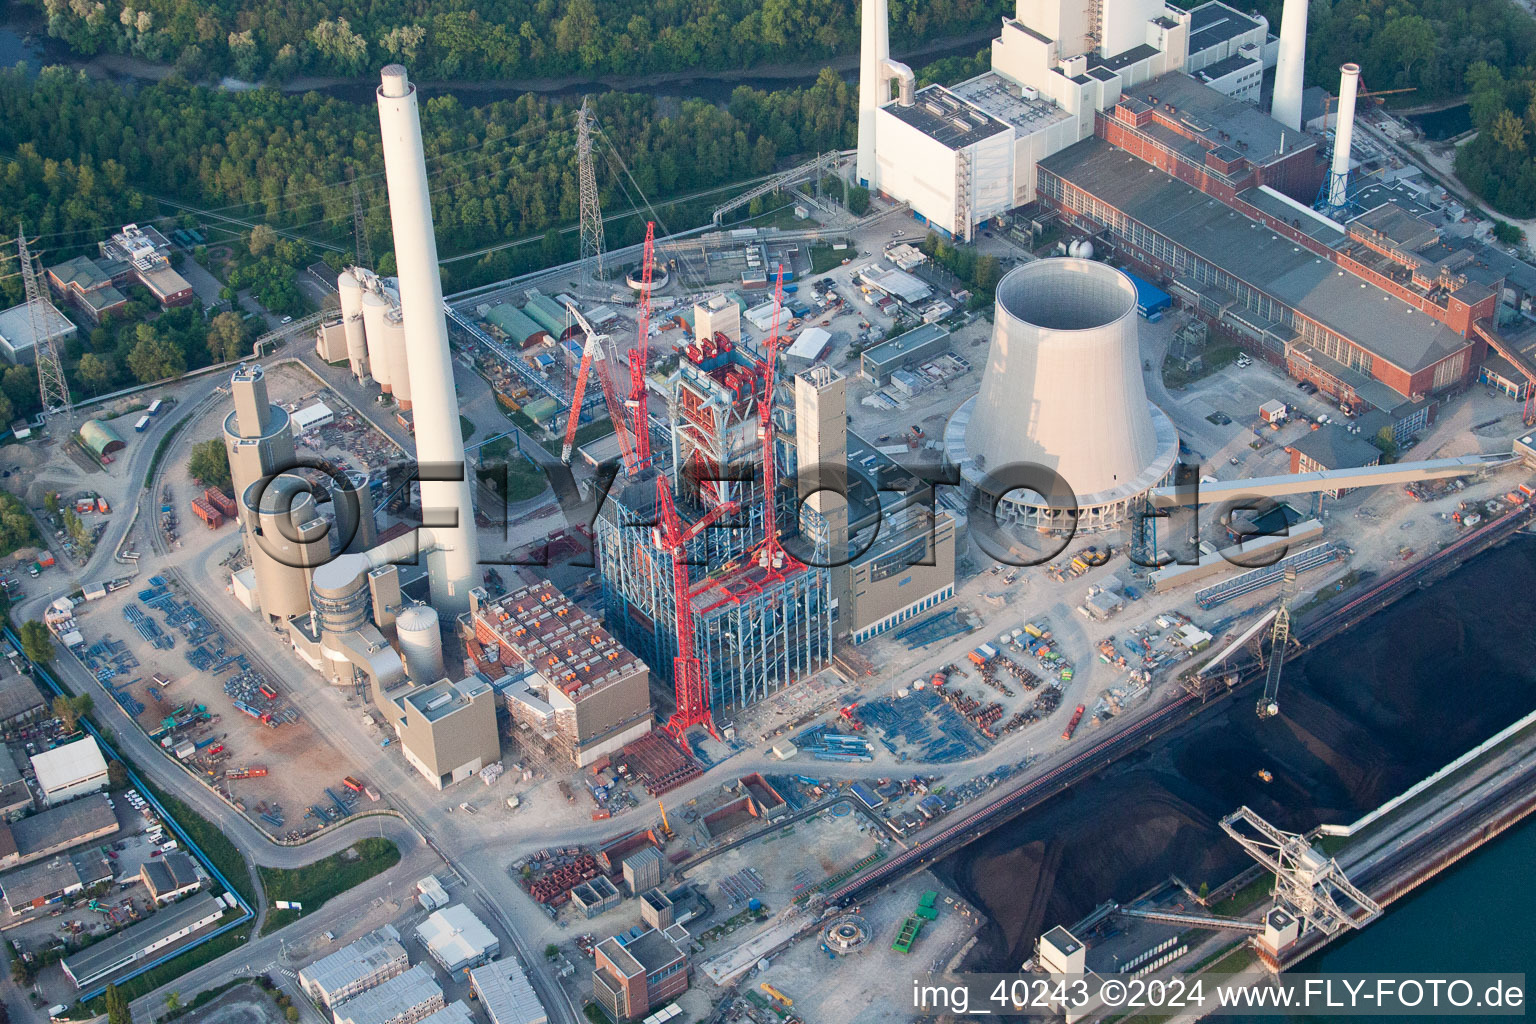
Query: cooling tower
[1063, 390]
[453, 553]
[351, 291]
[421, 644]
[375, 311]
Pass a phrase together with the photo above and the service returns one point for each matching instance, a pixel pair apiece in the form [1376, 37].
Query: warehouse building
[170, 876]
[878, 362]
[406, 998]
[142, 941]
[504, 993]
[36, 885]
[457, 939]
[70, 771]
[455, 1012]
[15, 794]
[1332, 447]
[20, 701]
[18, 338]
[374, 958]
[56, 829]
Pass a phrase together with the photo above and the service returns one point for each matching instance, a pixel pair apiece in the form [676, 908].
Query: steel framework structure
[360, 230]
[1279, 639]
[591, 213]
[1310, 883]
[51, 385]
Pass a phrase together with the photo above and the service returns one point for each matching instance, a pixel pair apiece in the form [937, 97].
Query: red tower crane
[687, 672]
[595, 354]
[771, 555]
[639, 411]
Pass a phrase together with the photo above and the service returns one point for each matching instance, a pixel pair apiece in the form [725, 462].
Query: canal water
[1444, 124]
[1362, 718]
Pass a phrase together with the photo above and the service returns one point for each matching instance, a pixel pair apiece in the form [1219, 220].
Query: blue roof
[1149, 297]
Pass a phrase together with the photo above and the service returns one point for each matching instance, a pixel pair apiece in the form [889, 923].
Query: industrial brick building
[634, 973]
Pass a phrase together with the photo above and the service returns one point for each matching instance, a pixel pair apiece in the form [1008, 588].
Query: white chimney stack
[876, 70]
[453, 551]
[1343, 134]
[1291, 66]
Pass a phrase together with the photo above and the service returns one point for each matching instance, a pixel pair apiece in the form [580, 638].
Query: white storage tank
[351, 292]
[394, 348]
[421, 643]
[375, 310]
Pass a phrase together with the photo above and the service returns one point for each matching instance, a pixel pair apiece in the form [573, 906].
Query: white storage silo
[375, 313]
[394, 349]
[351, 292]
[421, 643]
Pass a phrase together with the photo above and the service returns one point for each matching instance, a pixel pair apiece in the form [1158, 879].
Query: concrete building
[457, 939]
[577, 691]
[37, 885]
[374, 958]
[170, 876]
[717, 317]
[656, 910]
[405, 998]
[643, 870]
[18, 339]
[456, 1012]
[56, 829]
[504, 994]
[1230, 51]
[907, 572]
[20, 701]
[143, 941]
[596, 896]
[878, 362]
[69, 771]
[258, 437]
[447, 730]
[146, 252]
[631, 976]
[15, 794]
[1332, 447]
[92, 286]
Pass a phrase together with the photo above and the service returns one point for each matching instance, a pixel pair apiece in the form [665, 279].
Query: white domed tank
[351, 292]
[375, 310]
[421, 643]
[1085, 251]
[1074, 246]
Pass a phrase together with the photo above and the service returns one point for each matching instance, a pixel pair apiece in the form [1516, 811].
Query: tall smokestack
[1343, 134]
[453, 550]
[1286, 107]
[874, 51]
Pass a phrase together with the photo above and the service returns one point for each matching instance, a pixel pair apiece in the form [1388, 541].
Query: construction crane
[594, 353]
[1279, 639]
[666, 826]
[669, 536]
[1330, 101]
[771, 554]
[638, 404]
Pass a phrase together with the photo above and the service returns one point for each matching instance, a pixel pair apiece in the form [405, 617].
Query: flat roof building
[20, 700]
[1331, 447]
[580, 692]
[633, 975]
[878, 362]
[18, 341]
[455, 1012]
[403, 999]
[448, 730]
[15, 794]
[141, 941]
[374, 958]
[505, 995]
[71, 770]
[90, 285]
[457, 939]
[147, 253]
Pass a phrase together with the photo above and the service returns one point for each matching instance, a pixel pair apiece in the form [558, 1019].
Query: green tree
[228, 338]
[96, 370]
[1406, 42]
[858, 200]
[173, 1001]
[155, 358]
[209, 464]
[117, 775]
[262, 239]
[1507, 233]
[291, 1014]
[551, 951]
[36, 644]
[7, 411]
[1509, 131]
[118, 1011]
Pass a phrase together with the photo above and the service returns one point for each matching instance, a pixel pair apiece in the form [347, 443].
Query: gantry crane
[771, 554]
[687, 672]
[1279, 639]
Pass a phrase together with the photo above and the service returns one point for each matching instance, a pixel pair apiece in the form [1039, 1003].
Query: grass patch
[1246, 898]
[169, 971]
[315, 883]
[1215, 357]
[1327, 594]
[825, 258]
[1235, 962]
[524, 480]
[164, 445]
[595, 1014]
[467, 426]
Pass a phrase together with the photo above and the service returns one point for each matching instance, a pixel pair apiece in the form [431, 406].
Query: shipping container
[155, 407]
[139, 426]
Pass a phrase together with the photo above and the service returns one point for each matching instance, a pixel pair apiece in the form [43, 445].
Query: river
[1362, 717]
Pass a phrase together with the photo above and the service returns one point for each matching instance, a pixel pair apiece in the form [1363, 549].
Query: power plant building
[447, 730]
[573, 687]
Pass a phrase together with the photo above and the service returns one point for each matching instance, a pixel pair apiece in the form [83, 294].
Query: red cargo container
[207, 513]
[221, 501]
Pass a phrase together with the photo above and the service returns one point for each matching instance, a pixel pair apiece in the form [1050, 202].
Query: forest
[1500, 163]
[1427, 45]
[274, 40]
